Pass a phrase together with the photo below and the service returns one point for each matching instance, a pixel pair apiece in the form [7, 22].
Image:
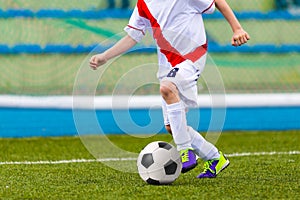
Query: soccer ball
[159, 163]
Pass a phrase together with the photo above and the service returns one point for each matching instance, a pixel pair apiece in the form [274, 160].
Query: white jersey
[176, 25]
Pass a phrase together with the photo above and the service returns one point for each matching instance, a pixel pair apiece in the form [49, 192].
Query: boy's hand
[239, 37]
[97, 60]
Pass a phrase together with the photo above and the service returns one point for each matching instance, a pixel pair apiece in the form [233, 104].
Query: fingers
[93, 63]
[96, 61]
[240, 38]
[238, 41]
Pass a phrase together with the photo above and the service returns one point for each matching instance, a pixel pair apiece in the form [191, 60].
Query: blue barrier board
[20, 122]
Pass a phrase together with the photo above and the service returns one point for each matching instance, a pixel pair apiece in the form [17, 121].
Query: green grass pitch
[252, 176]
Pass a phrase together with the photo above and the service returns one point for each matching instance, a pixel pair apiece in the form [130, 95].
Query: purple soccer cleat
[213, 167]
[188, 159]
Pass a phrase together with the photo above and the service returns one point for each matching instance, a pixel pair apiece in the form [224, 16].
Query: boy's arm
[240, 36]
[119, 48]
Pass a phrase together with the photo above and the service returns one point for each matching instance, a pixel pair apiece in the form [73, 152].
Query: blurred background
[43, 44]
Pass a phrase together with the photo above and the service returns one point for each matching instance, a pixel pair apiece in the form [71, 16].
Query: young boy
[178, 29]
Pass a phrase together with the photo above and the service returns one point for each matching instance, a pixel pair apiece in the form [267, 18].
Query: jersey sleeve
[136, 27]
[204, 6]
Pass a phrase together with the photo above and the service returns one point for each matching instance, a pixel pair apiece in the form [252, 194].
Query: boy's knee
[168, 88]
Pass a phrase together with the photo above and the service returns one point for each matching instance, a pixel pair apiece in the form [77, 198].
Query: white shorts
[185, 76]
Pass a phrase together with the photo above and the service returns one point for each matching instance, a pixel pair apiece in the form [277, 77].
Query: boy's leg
[179, 89]
[204, 149]
[176, 116]
[215, 161]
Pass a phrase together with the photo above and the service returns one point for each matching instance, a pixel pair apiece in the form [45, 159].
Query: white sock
[177, 117]
[204, 149]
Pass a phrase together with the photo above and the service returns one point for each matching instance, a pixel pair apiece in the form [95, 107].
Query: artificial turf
[251, 176]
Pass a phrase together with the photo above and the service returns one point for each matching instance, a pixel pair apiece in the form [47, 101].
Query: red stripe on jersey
[209, 7]
[136, 29]
[197, 53]
[174, 57]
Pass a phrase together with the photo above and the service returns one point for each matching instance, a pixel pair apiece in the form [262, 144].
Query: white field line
[49, 162]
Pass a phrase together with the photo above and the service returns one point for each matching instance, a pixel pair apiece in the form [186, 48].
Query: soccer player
[178, 29]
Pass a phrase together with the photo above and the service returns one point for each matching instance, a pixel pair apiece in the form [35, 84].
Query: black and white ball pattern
[159, 163]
